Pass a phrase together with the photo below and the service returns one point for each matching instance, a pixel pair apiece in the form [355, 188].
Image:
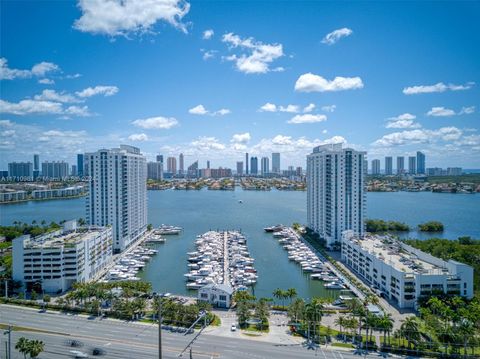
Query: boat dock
[225, 258]
[220, 258]
[308, 258]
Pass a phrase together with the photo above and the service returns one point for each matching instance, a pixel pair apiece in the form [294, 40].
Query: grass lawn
[343, 345]
[253, 328]
[216, 322]
[27, 329]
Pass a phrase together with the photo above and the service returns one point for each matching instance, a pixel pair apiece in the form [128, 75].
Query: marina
[127, 267]
[220, 258]
[221, 210]
[305, 257]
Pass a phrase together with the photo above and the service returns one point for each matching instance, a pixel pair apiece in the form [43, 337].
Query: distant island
[379, 225]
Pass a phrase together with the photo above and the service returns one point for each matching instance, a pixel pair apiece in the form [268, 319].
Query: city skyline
[302, 89]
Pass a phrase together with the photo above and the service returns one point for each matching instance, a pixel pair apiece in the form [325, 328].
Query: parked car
[78, 354]
[233, 328]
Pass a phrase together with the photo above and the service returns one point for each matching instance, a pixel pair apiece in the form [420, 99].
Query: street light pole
[159, 327]
[8, 345]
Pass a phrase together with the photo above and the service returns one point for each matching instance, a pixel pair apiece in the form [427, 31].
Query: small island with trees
[432, 226]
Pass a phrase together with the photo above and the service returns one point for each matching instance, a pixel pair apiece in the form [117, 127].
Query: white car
[78, 354]
[233, 328]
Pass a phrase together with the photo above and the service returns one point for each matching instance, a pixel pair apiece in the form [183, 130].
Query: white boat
[334, 285]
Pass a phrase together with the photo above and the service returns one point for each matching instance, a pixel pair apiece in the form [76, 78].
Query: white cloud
[467, 110]
[156, 123]
[438, 87]
[313, 83]
[222, 112]
[289, 108]
[26, 107]
[402, 124]
[198, 110]
[307, 118]
[201, 111]
[256, 56]
[52, 95]
[98, 90]
[138, 137]
[440, 112]
[336, 35]
[78, 111]
[309, 108]
[43, 105]
[207, 34]
[124, 17]
[207, 143]
[24, 139]
[43, 68]
[268, 107]
[241, 138]
[74, 76]
[402, 121]
[291, 147]
[38, 70]
[46, 82]
[210, 54]
[419, 136]
[405, 116]
[329, 108]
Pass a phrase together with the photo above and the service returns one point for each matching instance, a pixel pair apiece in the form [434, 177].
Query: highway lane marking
[141, 346]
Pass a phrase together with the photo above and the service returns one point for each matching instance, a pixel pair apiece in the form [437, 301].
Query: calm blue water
[200, 211]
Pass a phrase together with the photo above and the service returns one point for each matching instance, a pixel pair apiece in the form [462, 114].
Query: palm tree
[386, 324]
[313, 313]
[410, 330]
[35, 348]
[279, 294]
[341, 322]
[291, 293]
[369, 322]
[23, 346]
[296, 309]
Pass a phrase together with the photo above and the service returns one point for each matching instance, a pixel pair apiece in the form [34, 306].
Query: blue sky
[388, 78]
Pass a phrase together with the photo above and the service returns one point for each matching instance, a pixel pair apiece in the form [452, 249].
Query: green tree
[340, 321]
[279, 294]
[410, 331]
[22, 346]
[432, 226]
[291, 293]
[385, 323]
[35, 348]
[296, 310]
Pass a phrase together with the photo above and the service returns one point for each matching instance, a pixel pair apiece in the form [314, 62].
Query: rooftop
[391, 251]
[60, 238]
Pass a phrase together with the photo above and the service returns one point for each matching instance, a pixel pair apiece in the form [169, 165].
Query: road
[136, 340]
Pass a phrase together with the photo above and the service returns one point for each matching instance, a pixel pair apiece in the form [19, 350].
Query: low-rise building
[58, 192]
[13, 196]
[218, 295]
[56, 260]
[402, 273]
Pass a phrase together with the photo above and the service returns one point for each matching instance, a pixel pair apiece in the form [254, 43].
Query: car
[78, 354]
[98, 351]
[233, 328]
[74, 343]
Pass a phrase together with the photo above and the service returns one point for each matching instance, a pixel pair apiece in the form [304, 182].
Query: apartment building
[403, 273]
[56, 260]
[336, 196]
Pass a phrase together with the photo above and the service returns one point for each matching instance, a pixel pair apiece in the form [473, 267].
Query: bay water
[251, 211]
